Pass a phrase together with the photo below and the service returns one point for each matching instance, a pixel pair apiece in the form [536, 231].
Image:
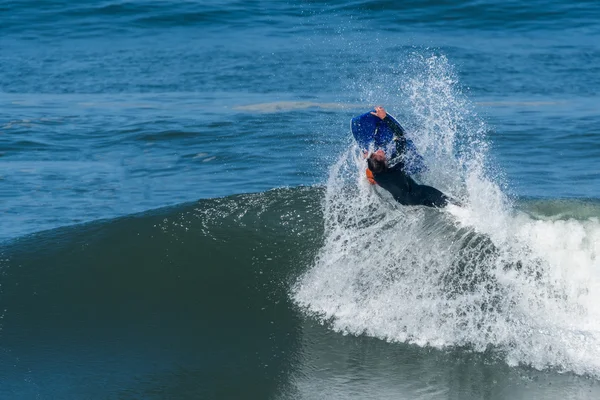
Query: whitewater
[491, 276]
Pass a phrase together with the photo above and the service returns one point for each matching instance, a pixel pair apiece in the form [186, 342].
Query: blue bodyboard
[369, 129]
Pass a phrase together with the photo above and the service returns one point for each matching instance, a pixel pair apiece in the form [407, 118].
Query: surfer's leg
[429, 196]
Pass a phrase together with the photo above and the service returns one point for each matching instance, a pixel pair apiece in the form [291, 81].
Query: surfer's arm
[389, 121]
[394, 126]
[399, 134]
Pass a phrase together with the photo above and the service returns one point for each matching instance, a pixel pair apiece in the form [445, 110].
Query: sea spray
[486, 276]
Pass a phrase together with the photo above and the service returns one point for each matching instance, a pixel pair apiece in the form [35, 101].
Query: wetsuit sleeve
[394, 126]
[399, 134]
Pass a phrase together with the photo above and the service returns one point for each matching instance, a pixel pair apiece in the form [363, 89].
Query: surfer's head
[377, 162]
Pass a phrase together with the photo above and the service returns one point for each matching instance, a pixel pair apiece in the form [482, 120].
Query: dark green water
[194, 302]
[186, 301]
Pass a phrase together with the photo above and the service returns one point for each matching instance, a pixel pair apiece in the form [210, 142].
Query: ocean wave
[489, 276]
[217, 279]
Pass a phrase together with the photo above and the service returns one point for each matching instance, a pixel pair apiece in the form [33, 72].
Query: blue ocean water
[111, 108]
[116, 107]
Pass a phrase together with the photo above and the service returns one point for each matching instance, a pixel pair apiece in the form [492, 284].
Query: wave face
[186, 302]
[201, 300]
[488, 276]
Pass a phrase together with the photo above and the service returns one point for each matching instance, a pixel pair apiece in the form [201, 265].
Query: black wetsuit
[408, 192]
[399, 135]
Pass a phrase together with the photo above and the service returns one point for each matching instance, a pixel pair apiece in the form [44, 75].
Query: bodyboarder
[402, 187]
[380, 146]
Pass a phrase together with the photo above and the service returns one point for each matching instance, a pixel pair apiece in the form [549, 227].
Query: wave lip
[522, 288]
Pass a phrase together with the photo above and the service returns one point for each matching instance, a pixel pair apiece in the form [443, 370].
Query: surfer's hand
[365, 153]
[379, 112]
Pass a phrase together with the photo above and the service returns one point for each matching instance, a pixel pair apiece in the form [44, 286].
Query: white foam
[484, 276]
